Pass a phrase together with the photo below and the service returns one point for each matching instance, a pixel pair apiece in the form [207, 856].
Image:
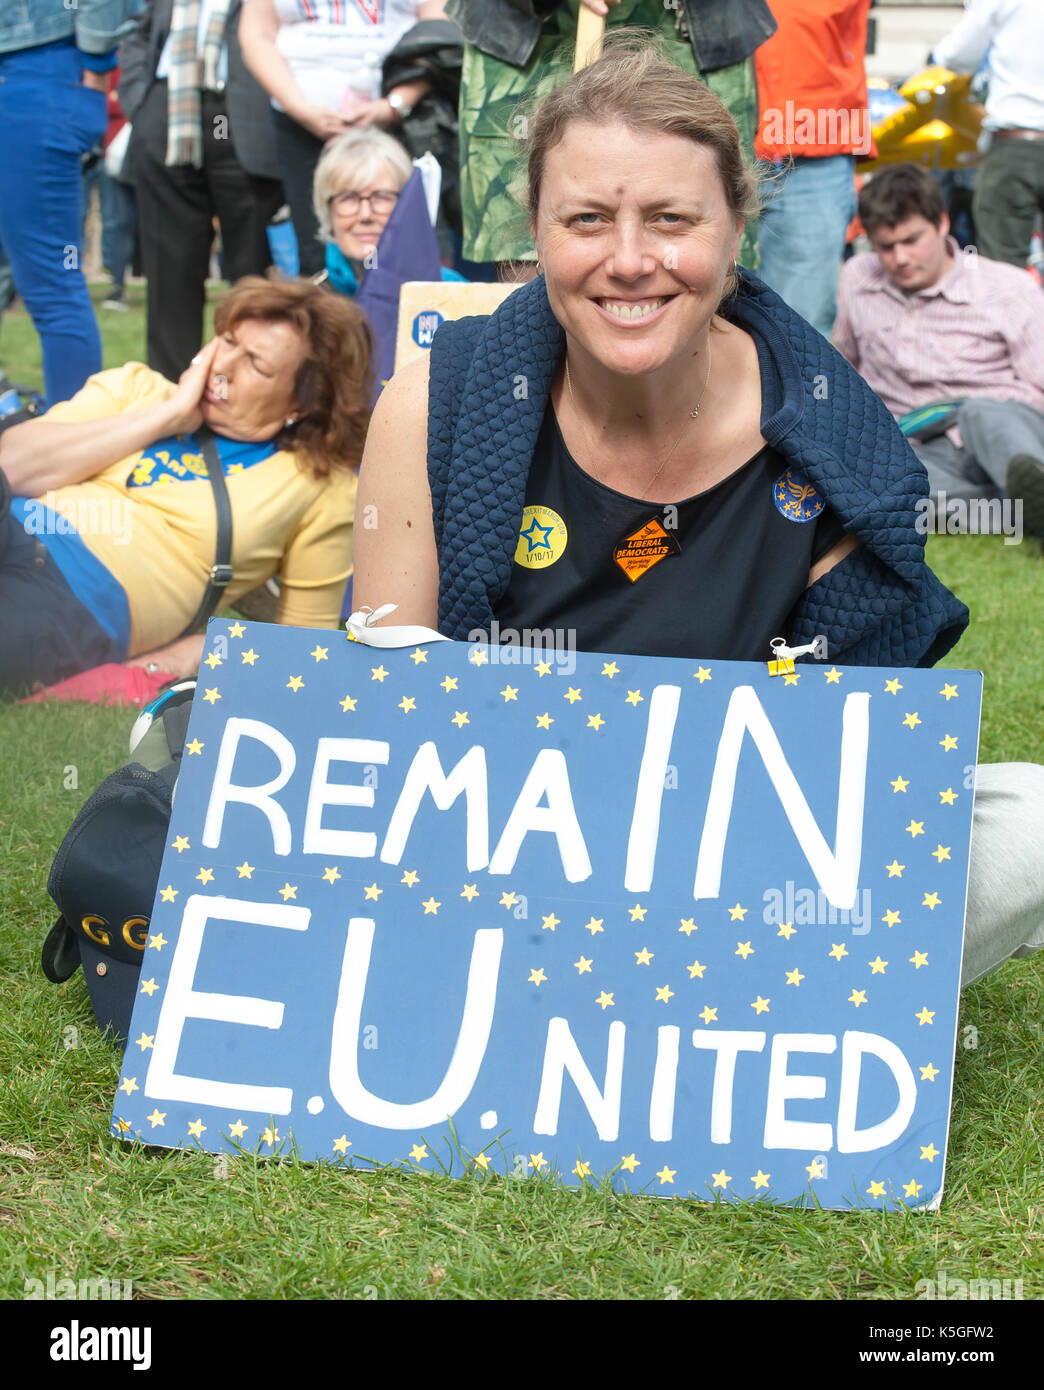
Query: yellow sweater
[150, 519]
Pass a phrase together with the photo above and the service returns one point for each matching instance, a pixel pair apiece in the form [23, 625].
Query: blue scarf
[339, 269]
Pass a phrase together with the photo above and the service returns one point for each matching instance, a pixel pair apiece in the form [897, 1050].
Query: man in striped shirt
[923, 322]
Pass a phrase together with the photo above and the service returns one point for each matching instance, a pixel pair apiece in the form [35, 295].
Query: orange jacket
[812, 80]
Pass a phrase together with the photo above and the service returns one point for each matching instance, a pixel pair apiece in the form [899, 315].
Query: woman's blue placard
[521, 910]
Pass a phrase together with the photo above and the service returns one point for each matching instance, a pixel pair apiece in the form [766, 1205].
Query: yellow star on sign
[666, 1174]
[702, 674]
[537, 977]
[877, 967]
[270, 1135]
[237, 1130]
[931, 901]
[158, 941]
[583, 965]
[637, 912]
[911, 720]
[543, 668]
[288, 891]
[212, 660]
[833, 676]
[378, 673]
[431, 907]
[149, 987]
[948, 797]
[664, 994]
[348, 704]
[857, 997]
[688, 925]
[340, 1145]
[947, 743]
[594, 925]
[892, 687]
[595, 721]
[610, 669]
[792, 678]
[537, 1161]
[549, 922]
[950, 691]
[418, 1152]
[786, 930]
[236, 630]
[941, 852]
[696, 970]
[912, 1189]
[479, 656]
[249, 657]
[891, 918]
[450, 683]
[460, 718]
[815, 1169]
[630, 1163]
[196, 1128]
[876, 1189]
[372, 893]
[332, 874]
[469, 891]
[573, 694]
[929, 1073]
[544, 721]
[925, 1016]
[180, 842]
[319, 653]
[194, 746]
[122, 1126]
[744, 949]
[794, 977]
[721, 1179]
[634, 697]
[157, 1117]
[931, 1153]
[838, 950]
[129, 1084]
[211, 695]
[582, 1169]
[606, 1001]
[759, 1005]
[295, 683]
[899, 785]
[481, 1161]
[737, 913]
[244, 870]
[708, 1015]
[760, 1179]
[146, 1041]
[510, 692]
[918, 959]
[915, 828]
[508, 899]
[168, 894]
[895, 869]
[418, 655]
[407, 704]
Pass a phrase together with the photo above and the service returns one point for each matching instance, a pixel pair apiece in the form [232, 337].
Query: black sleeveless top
[714, 576]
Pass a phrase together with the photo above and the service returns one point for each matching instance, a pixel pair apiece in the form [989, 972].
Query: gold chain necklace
[693, 413]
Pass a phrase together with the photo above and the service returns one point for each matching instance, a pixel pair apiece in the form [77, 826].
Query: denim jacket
[95, 24]
[721, 34]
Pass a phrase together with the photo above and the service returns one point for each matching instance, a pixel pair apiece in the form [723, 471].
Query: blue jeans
[801, 234]
[49, 119]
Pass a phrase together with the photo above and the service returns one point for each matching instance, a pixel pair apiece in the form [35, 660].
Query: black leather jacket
[432, 50]
[722, 31]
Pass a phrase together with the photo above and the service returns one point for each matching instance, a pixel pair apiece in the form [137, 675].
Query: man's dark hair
[897, 192]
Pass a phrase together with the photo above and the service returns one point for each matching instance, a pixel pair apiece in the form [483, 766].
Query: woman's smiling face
[636, 239]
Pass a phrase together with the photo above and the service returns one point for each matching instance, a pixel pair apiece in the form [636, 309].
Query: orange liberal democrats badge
[637, 553]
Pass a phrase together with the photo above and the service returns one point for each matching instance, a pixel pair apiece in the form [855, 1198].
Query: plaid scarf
[190, 70]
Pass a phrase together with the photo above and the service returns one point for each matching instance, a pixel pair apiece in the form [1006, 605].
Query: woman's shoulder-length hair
[334, 386]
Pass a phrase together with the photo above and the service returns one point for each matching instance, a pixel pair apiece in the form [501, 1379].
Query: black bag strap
[222, 573]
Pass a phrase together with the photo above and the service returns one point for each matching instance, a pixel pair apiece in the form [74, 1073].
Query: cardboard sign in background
[678, 921]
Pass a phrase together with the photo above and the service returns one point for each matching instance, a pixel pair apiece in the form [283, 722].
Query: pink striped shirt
[978, 332]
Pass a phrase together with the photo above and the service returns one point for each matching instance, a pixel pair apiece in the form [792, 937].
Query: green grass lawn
[75, 1202]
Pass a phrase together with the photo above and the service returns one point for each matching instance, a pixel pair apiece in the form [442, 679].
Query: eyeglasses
[349, 204]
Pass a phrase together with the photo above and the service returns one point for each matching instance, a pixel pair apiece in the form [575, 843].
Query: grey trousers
[992, 431]
[1005, 916]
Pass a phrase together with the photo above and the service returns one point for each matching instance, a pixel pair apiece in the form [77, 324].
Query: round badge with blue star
[541, 539]
[795, 497]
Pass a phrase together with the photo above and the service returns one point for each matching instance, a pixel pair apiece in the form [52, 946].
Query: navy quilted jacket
[490, 380]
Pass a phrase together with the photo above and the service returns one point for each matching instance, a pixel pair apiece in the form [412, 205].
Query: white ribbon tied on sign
[361, 629]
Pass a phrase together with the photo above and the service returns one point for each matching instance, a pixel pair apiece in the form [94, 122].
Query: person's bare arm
[258, 27]
[41, 454]
[833, 557]
[395, 556]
